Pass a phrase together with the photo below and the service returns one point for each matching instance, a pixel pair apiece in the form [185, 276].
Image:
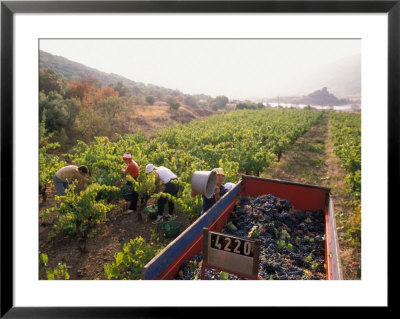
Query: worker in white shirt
[229, 185]
[164, 176]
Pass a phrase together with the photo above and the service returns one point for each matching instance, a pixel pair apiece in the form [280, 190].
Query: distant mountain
[319, 97]
[75, 71]
[322, 97]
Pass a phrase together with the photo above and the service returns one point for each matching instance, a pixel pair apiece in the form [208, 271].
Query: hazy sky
[235, 68]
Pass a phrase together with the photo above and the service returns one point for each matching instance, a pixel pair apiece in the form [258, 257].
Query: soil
[117, 230]
[148, 119]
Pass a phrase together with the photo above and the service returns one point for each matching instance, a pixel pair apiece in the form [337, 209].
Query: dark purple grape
[286, 262]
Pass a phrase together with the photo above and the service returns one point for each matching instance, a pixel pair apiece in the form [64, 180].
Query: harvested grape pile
[292, 242]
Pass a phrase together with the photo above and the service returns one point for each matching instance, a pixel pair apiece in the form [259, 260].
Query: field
[297, 145]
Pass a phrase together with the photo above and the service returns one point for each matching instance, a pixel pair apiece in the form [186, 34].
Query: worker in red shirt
[132, 169]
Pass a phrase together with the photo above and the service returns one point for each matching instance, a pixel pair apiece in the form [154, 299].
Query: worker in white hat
[229, 185]
[219, 191]
[164, 176]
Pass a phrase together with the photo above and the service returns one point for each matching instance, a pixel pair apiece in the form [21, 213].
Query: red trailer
[190, 242]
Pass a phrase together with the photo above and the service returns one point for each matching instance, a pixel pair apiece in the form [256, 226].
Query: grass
[318, 161]
[315, 148]
[318, 140]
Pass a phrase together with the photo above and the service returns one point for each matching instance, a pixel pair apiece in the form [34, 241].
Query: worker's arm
[82, 179]
[158, 182]
[216, 193]
[194, 193]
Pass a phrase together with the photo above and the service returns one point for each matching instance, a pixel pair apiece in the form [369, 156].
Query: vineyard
[346, 135]
[242, 141]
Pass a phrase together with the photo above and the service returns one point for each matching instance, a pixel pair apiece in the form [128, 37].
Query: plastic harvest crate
[152, 211]
[172, 228]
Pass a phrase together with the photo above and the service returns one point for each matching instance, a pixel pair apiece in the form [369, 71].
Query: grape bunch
[292, 242]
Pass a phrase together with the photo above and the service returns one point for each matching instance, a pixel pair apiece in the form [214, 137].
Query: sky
[237, 68]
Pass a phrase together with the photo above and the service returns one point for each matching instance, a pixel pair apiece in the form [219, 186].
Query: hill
[319, 97]
[75, 71]
[85, 101]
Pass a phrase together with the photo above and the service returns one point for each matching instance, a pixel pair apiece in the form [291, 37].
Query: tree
[136, 91]
[110, 106]
[249, 105]
[180, 97]
[92, 81]
[190, 100]
[173, 103]
[241, 106]
[58, 113]
[89, 91]
[150, 100]
[105, 93]
[91, 124]
[219, 102]
[139, 100]
[79, 90]
[175, 92]
[50, 80]
[121, 88]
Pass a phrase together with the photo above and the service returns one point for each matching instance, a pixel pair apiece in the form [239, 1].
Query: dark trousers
[60, 185]
[130, 195]
[134, 200]
[172, 189]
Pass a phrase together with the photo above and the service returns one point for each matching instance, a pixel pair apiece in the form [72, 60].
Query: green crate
[172, 228]
[152, 211]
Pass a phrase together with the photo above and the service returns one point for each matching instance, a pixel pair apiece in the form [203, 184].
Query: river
[346, 108]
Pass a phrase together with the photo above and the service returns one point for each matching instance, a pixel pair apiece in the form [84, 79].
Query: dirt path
[312, 160]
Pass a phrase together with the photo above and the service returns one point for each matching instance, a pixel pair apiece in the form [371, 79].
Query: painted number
[236, 250]
[228, 243]
[233, 245]
[217, 243]
[247, 248]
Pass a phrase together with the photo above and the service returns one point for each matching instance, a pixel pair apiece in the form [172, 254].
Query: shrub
[79, 214]
[150, 100]
[58, 273]
[130, 261]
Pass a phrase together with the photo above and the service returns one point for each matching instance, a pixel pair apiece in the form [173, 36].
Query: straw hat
[219, 171]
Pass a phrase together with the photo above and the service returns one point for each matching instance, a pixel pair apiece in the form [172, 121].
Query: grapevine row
[346, 135]
[245, 141]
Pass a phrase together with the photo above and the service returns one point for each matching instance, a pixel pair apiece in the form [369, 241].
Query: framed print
[184, 44]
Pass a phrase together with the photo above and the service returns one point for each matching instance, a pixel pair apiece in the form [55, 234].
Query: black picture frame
[9, 8]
